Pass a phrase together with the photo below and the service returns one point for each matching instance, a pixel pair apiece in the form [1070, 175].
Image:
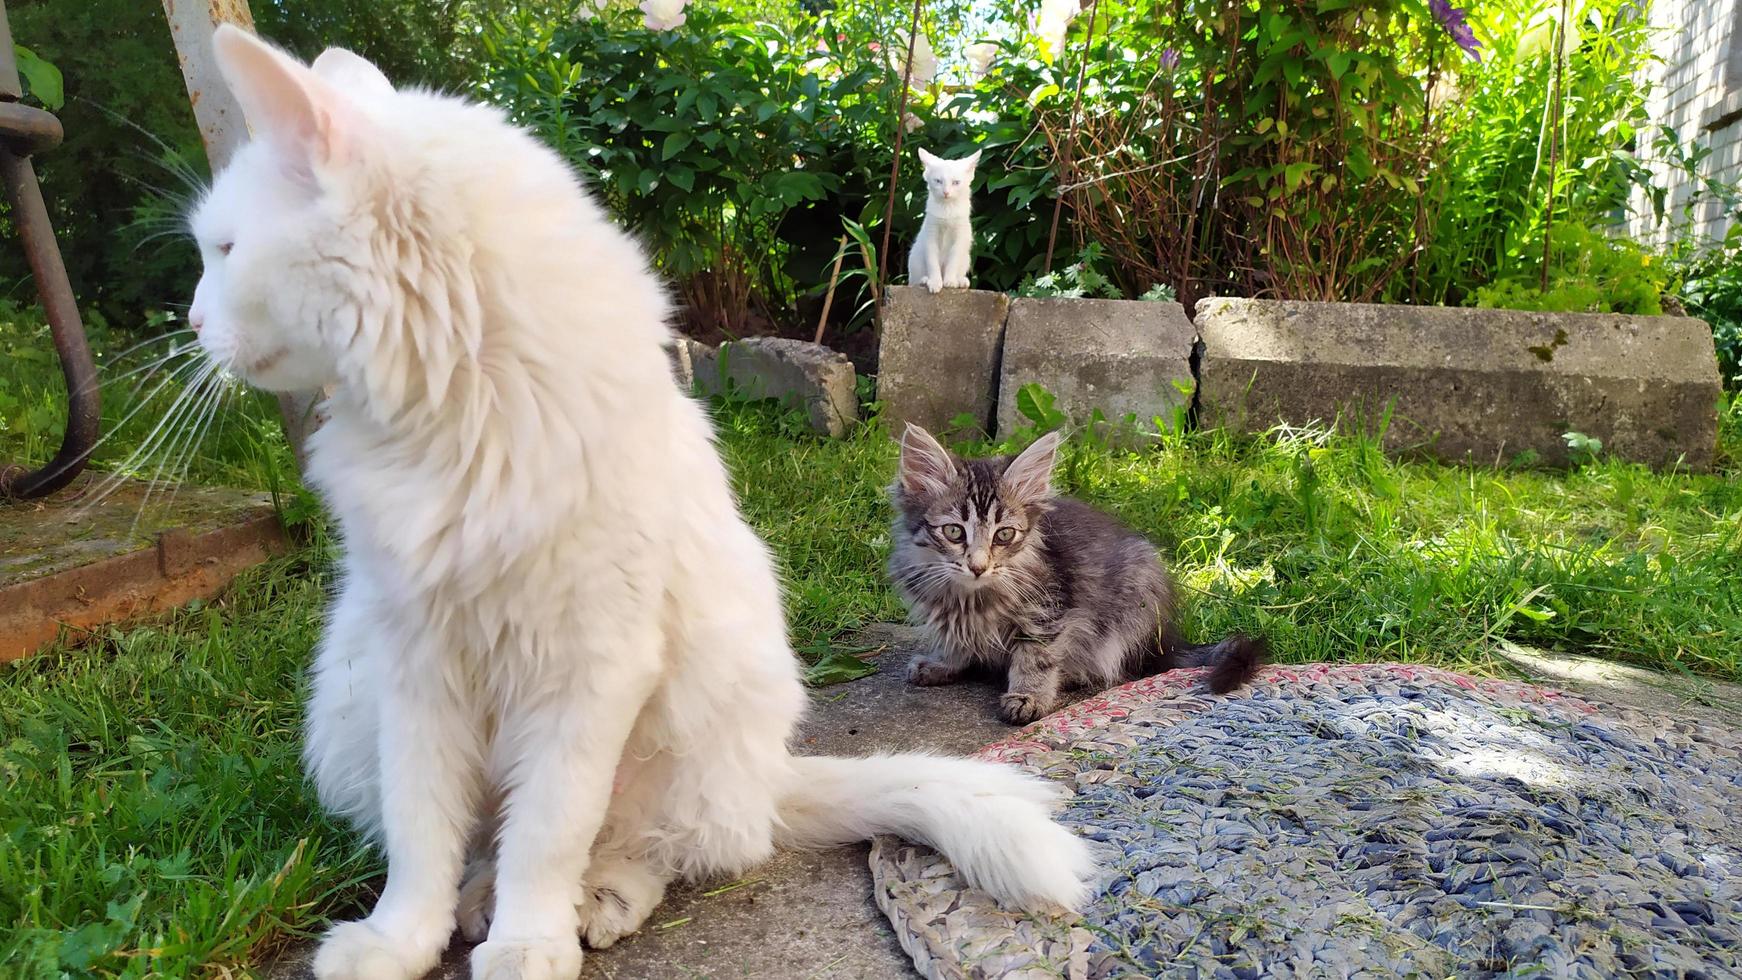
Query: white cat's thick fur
[557, 650]
[943, 252]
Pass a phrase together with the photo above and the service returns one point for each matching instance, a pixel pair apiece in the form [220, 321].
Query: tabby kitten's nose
[978, 568]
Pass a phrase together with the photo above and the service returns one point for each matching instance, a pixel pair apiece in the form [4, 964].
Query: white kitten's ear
[307, 122]
[351, 73]
[972, 160]
[926, 467]
[929, 161]
[1029, 476]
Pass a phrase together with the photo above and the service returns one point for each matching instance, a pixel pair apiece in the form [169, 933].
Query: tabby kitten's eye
[1005, 535]
[953, 533]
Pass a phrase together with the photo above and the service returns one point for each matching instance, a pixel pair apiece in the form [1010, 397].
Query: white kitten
[556, 642]
[943, 252]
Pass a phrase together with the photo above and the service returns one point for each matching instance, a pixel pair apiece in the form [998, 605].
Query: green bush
[1589, 272]
[1489, 199]
[1712, 291]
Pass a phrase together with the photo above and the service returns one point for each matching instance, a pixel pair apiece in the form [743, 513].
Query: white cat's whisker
[179, 439]
[160, 338]
[118, 426]
[151, 443]
[220, 397]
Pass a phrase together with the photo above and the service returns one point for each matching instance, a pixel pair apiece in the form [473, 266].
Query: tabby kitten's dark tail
[1232, 662]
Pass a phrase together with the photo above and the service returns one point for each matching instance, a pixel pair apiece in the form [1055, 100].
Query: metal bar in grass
[895, 163]
[1058, 203]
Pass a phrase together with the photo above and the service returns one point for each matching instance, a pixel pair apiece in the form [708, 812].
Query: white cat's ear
[351, 73]
[972, 160]
[1029, 476]
[927, 159]
[926, 467]
[304, 118]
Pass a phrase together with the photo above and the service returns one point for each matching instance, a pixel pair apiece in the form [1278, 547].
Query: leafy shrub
[1589, 272]
[1489, 201]
[1712, 290]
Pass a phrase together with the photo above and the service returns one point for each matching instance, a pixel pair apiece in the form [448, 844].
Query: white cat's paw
[932, 285]
[617, 905]
[357, 951]
[959, 282]
[477, 903]
[527, 959]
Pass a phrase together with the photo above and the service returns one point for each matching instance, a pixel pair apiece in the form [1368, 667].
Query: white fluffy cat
[943, 252]
[557, 649]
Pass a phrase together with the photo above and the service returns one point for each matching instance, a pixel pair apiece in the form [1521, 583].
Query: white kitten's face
[261, 298]
[949, 180]
[281, 247]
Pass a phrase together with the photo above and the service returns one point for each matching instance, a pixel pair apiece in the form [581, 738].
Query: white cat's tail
[993, 822]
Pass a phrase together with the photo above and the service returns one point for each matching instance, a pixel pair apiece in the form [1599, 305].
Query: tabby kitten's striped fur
[1005, 574]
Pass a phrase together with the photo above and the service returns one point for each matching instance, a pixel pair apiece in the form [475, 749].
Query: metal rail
[24, 132]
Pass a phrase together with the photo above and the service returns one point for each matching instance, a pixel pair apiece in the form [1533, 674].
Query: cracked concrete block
[683, 353]
[937, 357]
[1465, 384]
[1124, 357]
[809, 376]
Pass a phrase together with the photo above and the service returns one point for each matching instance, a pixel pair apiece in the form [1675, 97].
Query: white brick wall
[1697, 79]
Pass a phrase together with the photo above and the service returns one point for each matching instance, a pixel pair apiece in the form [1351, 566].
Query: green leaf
[41, 78]
[674, 145]
[1338, 63]
[838, 667]
[1297, 172]
[1035, 403]
[681, 177]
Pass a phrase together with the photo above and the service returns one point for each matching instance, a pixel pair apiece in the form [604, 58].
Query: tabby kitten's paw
[1020, 709]
[926, 672]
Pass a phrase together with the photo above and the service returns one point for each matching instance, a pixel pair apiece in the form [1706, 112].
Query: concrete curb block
[809, 376]
[1465, 385]
[1458, 384]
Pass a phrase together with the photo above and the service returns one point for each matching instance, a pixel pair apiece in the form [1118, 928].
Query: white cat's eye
[1005, 535]
[225, 247]
[953, 533]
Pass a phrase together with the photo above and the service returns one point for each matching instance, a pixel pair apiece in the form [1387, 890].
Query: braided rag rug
[1360, 820]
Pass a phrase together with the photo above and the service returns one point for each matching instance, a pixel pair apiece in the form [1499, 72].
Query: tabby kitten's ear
[1029, 476]
[926, 467]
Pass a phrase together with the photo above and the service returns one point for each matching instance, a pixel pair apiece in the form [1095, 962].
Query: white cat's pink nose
[197, 320]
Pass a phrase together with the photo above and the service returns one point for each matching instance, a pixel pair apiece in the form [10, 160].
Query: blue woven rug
[1370, 820]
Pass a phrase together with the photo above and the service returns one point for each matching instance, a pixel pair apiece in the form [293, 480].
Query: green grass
[154, 821]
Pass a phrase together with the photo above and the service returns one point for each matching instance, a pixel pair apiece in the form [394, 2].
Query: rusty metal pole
[25, 130]
[895, 164]
[1069, 170]
[224, 131]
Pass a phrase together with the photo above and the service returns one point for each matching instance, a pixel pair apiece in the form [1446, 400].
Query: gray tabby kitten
[1004, 574]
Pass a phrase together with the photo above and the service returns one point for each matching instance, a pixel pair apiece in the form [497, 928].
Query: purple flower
[1453, 20]
[1170, 59]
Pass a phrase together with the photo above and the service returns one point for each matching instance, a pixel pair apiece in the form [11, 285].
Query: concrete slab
[809, 376]
[1123, 357]
[1468, 385]
[68, 565]
[1718, 702]
[937, 357]
[801, 915]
